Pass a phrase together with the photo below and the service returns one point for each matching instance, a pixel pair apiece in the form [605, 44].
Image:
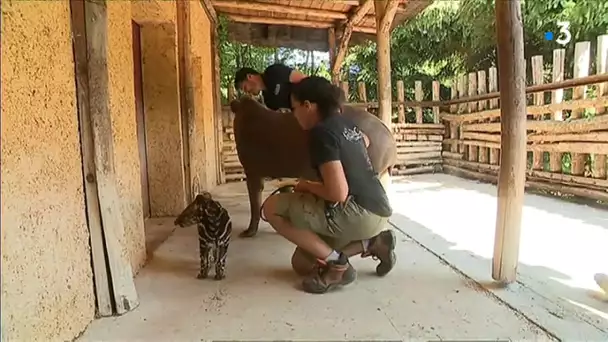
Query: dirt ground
[421, 299]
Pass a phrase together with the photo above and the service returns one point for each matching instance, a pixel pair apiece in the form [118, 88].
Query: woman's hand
[302, 186]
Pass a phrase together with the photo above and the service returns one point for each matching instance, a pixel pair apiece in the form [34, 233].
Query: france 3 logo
[563, 37]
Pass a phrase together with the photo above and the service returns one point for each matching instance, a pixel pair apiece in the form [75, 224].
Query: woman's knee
[270, 205]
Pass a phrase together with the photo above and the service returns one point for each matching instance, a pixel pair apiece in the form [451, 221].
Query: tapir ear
[235, 105]
[206, 195]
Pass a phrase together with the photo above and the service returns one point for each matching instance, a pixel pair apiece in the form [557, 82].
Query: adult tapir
[271, 144]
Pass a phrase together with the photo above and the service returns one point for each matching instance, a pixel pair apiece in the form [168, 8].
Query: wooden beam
[385, 13]
[512, 174]
[125, 294]
[208, 7]
[185, 95]
[293, 22]
[283, 9]
[348, 28]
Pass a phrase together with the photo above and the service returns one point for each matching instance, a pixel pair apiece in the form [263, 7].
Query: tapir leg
[255, 186]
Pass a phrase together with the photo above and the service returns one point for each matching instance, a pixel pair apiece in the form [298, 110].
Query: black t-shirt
[278, 87]
[338, 138]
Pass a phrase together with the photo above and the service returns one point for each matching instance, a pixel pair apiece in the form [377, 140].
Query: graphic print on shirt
[354, 135]
[277, 89]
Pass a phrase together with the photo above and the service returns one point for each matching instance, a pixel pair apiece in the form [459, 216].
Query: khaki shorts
[350, 221]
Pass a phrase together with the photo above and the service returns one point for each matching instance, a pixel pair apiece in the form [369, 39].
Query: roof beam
[293, 22]
[348, 26]
[270, 7]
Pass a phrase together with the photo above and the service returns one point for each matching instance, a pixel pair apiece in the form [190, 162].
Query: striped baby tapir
[214, 230]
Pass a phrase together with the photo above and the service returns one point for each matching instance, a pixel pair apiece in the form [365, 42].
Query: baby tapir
[214, 230]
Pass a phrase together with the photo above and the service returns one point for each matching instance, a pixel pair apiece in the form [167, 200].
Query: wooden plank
[539, 99]
[482, 89]
[473, 154]
[345, 90]
[493, 87]
[512, 177]
[436, 94]
[125, 296]
[401, 98]
[94, 224]
[362, 93]
[453, 109]
[384, 13]
[418, 96]
[582, 55]
[599, 167]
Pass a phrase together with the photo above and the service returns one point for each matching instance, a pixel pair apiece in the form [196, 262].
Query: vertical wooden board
[98, 253]
[401, 99]
[557, 96]
[482, 89]
[454, 109]
[218, 117]
[462, 93]
[599, 165]
[582, 55]
[362, 92]
[419, 95]
[125, 294]
[539, 99]
[493, 87]
[344, 85]
[436, 89]
[472, 91]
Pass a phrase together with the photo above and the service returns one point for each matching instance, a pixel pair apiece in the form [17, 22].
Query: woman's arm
[334, 187]
[296, 76]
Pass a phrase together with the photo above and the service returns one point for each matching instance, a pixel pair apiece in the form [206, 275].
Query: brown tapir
[271, 144]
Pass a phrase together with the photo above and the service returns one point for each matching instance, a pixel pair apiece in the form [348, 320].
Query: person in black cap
[274, 83]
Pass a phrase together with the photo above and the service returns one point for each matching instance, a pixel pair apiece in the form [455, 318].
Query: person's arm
[325, 153]
[296, 76]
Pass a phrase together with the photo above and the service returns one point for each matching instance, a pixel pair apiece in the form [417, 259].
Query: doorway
[139, 117]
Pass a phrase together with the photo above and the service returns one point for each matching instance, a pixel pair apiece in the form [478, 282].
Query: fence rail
[567, 126]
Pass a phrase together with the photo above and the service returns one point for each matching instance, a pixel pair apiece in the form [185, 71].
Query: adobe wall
[203, 161]
[47, 285]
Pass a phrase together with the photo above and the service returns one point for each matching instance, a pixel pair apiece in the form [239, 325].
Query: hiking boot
[331, 275]
[382, 247]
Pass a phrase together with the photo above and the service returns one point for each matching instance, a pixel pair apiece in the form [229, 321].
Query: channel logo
[563, 37]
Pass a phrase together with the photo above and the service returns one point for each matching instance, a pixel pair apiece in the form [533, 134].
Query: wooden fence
[567, 133]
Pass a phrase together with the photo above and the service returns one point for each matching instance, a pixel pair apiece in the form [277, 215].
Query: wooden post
[462, 92]
[385, 13]
[217, 105]
[599, 165]
[186, 101]
[125, 295]
[453, 109]
[436, 99]
[539, 99]
[362, 92]
[401, 99]
[473, 150]
[481, 89]
[331, 42]
[418, 96]
[557, 96]
[512, 174]
[345, 90]
[231, 92]
[493, 87]
[582, 55]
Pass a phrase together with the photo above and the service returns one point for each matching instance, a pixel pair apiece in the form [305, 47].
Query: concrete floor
[422, 299]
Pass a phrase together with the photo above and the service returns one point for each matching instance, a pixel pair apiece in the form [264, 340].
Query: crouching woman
[345, 213]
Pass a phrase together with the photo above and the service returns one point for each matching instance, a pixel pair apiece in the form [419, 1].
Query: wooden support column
[185, 94]
[512, 175]
[331, 42]
[385, 13]
[347, 31]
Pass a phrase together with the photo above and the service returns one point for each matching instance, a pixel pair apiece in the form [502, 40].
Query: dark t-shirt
[338, 138]
[278, 87]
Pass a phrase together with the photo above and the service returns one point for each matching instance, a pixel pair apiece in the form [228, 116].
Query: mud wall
[203, 147]
[47, 285]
